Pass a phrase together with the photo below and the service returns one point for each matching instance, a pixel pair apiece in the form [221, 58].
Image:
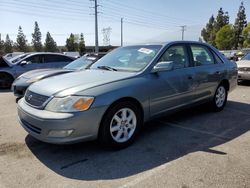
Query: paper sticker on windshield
[145, 51]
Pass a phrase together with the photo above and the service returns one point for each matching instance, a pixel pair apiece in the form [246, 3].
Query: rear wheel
[120, 125]
[5, 81]
[220, 98]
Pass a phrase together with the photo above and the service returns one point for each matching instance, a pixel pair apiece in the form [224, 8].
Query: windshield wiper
[107, 68]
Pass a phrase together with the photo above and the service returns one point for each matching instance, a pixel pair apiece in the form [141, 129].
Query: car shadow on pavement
[161, 141]
[5, 90]
[244, 83]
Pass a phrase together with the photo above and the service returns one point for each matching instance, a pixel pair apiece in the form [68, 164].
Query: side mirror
[163, 66]
[23, 63]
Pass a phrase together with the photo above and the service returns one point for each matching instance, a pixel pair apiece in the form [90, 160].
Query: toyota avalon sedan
[20, 85]
[129, 86]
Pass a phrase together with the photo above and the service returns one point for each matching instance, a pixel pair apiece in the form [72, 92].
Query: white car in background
[72, 54]
[244, 68]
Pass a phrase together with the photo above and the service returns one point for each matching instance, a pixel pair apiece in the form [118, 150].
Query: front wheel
[120, 125]
[220, 98]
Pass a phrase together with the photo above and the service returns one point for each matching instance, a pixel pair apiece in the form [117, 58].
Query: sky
[145, 21]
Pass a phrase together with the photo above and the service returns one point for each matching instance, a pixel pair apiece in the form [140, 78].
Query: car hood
[243, 63]
[69, 84]
[43, 73]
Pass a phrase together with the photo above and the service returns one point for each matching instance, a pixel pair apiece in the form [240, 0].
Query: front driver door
[174, 88]
[33, 62]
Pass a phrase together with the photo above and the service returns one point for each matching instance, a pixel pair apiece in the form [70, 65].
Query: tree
[36, 38]
[82, 45]
[246, 36]
[21, 42]
[8, 45]
[208, 32]
[239, 25]
[50, 44]
[225, 38]
[214, 25]
[71, 43]
[222, 19]
[1, 46]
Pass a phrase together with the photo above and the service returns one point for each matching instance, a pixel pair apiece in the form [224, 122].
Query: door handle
[217, 72]
[190, 77]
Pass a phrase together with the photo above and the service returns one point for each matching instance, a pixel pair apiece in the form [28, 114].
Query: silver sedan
[129, 86]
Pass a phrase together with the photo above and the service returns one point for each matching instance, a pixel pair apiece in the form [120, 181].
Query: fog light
[60, 133]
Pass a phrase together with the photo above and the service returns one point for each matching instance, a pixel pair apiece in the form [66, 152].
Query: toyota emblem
[29, 98]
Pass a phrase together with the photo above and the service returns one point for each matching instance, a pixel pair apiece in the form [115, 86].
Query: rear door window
[202, 55]
[56, 58]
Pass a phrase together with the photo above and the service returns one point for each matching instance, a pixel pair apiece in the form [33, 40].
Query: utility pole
[121, 31]
[96, 26]
[183, 29]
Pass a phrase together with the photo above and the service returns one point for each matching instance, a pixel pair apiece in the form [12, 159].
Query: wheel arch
[226, 83]
[7, 73]
[128, 99]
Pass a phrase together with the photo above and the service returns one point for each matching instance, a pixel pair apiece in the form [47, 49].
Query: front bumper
[243, 75]
[39, 123]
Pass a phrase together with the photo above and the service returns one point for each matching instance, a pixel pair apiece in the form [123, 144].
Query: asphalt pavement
[191, 148]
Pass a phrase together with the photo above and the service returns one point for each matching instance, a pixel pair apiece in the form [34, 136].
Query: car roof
[170, 42]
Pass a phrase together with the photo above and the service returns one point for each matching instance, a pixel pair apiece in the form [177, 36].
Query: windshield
[132, 58]
[246, 57]
[17, 58]
[80, 63]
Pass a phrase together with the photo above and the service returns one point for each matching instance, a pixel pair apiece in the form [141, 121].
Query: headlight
[70, 104]
[32, 80]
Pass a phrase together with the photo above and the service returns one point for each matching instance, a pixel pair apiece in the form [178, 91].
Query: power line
[146, 11]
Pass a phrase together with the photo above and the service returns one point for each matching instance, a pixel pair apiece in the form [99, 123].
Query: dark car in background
[20, 85]
[12, 68]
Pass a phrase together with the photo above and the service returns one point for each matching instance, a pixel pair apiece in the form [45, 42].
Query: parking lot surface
[192, 148]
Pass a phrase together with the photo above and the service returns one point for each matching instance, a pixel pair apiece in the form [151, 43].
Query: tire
[220, 98]
[5, 81]
[120, 125]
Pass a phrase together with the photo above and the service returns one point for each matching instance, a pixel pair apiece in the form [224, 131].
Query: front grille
[35, 99]
[31, 127]
[244, 69]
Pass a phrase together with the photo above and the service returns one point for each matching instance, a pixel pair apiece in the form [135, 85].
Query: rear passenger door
[173, 88]
[209, 71]
[56, 61]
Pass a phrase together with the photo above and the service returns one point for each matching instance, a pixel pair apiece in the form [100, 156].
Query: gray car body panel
[157, 93]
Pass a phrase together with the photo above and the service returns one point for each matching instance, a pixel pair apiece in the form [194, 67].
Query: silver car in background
[127, 87]
[244, 68]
